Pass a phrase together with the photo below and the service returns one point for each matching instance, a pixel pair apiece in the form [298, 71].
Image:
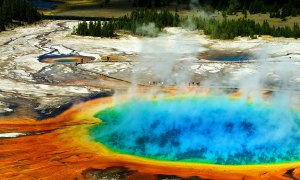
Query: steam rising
[148, 30]
[215, 129]
[168, 58]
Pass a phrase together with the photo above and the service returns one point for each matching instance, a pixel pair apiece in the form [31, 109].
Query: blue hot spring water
[44, 4]
[230, 58]
[65, 60]
[217, 130]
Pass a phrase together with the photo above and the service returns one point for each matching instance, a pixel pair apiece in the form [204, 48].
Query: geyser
[216, 130]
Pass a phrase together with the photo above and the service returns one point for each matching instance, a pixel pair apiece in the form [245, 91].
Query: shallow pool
[229, 58]
[217, 130]
[49, 58]
[225, 56]
[42, 4]
[65, 60]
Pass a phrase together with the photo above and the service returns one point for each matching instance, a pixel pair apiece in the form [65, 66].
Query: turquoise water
[230, 58]
[65, 60]
[208, 130]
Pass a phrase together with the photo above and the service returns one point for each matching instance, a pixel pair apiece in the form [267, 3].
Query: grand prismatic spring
[188, 136]
[177, 105]
[201, 130]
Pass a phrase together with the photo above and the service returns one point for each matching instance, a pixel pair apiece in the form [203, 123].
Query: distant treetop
[17, 11]
[217, 4]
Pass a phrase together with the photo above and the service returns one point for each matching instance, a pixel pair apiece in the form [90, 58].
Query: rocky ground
[39, 89]
[59, 148]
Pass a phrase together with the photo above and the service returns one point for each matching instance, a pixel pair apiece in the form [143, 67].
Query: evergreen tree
[226, 29]
[2, 25]
[296, 31]
[287, 10]
[232, 7]
[244, 11]
[18, 10]
[6, 12]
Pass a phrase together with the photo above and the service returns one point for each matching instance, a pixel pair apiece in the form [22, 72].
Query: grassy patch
[118, 8]
[260, 18]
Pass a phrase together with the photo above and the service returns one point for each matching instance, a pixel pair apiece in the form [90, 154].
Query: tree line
[229, 29]
[16, 11]
[276, 8]
[225, 29]
[137, 18]
[95, 28]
